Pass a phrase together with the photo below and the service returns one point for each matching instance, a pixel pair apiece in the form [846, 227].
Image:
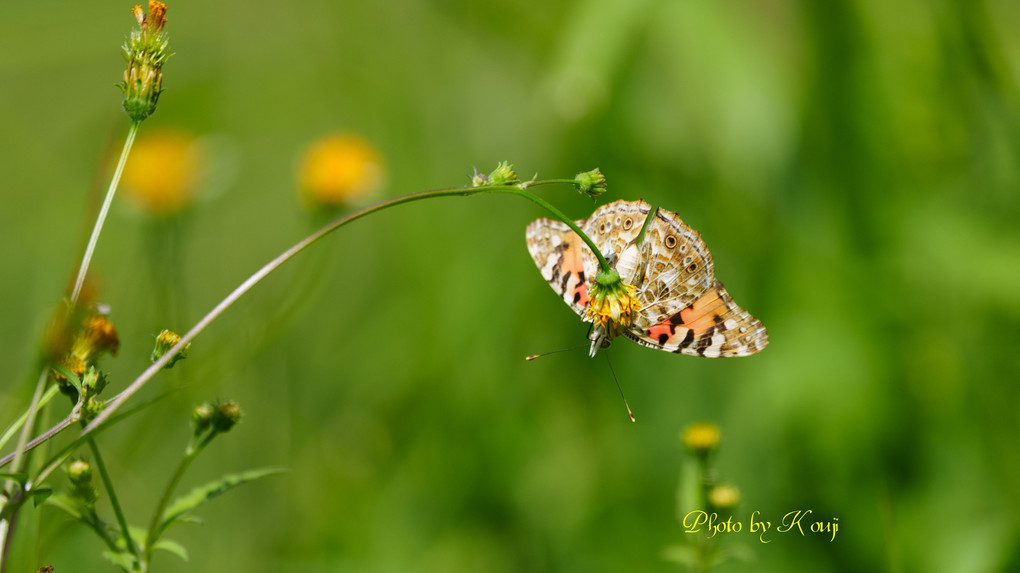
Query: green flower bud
[503, 175]
[94, 382]
[79, 473]
[226, 416]
[201, 417]
[591, 183]
[166, 340]
[479, 179]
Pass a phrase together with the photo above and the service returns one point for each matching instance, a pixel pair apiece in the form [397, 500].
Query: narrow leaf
[40, 494]
[173, 547]
[64, 502]
[71, 377]
[204, 493]
[20, 477]
[122, 559]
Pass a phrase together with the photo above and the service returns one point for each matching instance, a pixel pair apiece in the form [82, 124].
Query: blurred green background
[853, 165]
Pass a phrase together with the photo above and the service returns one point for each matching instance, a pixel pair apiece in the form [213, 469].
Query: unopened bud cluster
[219, 417]
[145, 52]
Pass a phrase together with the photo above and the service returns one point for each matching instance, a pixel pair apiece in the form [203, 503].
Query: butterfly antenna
[620, 388]
[534, 356]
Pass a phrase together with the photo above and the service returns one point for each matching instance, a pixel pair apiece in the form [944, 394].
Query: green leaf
[66, 503]
[71, 377]
[122, 559]
[173, 547]
[40, 494]
[204, 493]
[20, 477]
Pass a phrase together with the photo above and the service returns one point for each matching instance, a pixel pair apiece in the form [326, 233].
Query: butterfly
[681, 307]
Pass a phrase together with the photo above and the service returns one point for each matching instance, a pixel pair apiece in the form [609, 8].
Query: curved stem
[101, 218]
[128, 542]
[285, 256]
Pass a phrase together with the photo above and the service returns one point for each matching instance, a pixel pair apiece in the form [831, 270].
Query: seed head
[145, 52]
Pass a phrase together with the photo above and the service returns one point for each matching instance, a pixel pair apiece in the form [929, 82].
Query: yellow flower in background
[163, 171]
[701, 437]
[724, 496]
[339, 169]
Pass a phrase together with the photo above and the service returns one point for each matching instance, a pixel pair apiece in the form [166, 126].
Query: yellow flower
[163, 171]
[701, 437]
[339, 169]
[611, 303]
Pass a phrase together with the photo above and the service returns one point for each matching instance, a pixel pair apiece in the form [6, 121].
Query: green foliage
[178, 510]
[852, 165]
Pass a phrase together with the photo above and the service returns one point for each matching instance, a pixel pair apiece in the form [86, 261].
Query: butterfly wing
[712, 326]
[683, 308]
[566, 262]
[556, 249]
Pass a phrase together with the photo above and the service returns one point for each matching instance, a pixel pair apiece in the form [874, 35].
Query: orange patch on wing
[701, 315]
[582, 290]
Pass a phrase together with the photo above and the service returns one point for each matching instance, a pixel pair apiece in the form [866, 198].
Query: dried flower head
[98, 335]
[145, 52]
[339, 169]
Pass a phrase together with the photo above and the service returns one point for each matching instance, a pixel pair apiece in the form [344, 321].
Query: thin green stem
[101, 218]
[108, 484]
[94, 522]
[285, 256]
[570, 223]
[155, 525]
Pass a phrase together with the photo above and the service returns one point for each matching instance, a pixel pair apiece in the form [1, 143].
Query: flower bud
[201, 417]
[79, 473]
[226, 416]
[503, 175]
[93, 382]
[479, 179]
[591, 183]
[166, 340]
